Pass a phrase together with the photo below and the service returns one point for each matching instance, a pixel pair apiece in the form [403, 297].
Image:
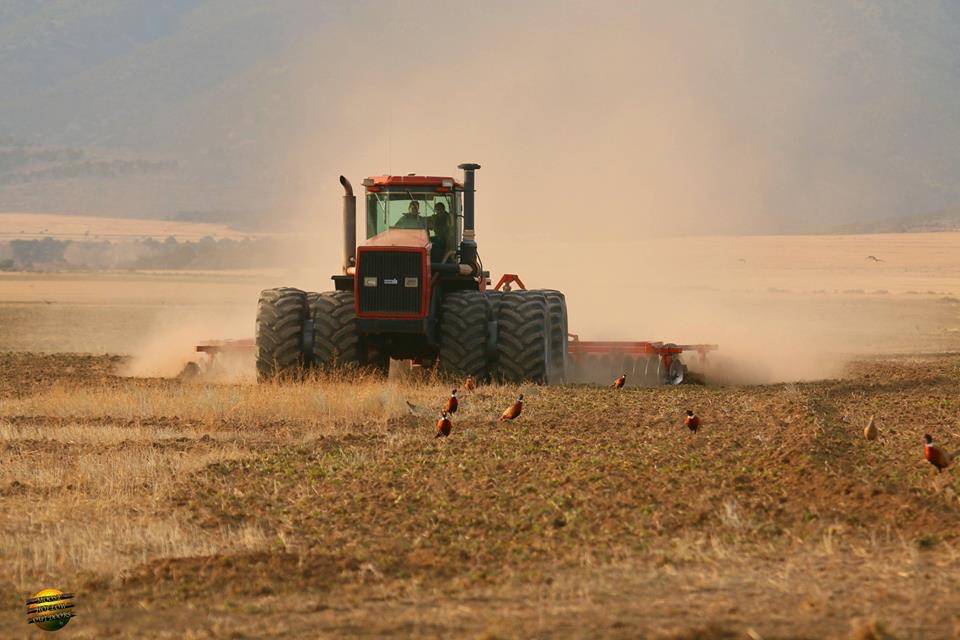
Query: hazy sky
[592, 120]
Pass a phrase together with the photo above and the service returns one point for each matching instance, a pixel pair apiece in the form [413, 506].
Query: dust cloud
[611, 135]
[615, 140]
[780, 308]
[596, 121]
[210, 311]
[167, 344]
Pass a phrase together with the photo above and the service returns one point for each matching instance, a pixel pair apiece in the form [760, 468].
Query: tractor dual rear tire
[336, 342]
[464, 320]
[523, 338]
[281, 316]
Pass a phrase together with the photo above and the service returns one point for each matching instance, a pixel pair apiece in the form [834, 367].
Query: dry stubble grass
[108, 456]
[89, 498]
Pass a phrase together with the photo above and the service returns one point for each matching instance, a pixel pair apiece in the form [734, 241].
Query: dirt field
[183, 510]
[226, 509]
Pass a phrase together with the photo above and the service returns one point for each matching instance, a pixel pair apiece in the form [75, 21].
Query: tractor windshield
[436, 213]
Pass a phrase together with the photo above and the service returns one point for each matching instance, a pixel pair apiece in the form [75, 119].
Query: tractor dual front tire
[464, 320]
[281, 316]
[336, 342]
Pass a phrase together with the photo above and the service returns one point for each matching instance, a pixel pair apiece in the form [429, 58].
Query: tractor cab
[430, 203]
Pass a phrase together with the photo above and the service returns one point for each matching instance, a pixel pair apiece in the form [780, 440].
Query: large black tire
[308, 330]
[336, 342]
[281, 316]
[557, 305]
[523, 338]
[494, 297]
[463, 334]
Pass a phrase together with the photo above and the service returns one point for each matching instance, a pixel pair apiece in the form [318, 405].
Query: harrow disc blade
[676, 371]
[648, 371]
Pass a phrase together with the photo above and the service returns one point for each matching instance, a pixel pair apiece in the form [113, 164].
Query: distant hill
[22, 163]
[144, 109]
[946, 220]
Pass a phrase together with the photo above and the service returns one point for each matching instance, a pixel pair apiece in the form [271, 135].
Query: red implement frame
[213, 347]
[578, 348]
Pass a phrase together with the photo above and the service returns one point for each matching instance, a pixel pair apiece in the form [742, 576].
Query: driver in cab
[411, 219]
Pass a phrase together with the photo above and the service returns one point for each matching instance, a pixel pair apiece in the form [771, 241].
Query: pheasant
[870, 432]
[513, 411]
[691, 422]
[934, 454]
[452, 403]
[619, 382]
[469, 384]
[443, 425]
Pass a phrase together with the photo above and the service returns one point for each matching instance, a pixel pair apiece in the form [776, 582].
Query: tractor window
[376, 214]
[437, 213]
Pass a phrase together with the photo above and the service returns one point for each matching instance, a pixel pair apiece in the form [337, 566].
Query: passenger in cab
[442, 229]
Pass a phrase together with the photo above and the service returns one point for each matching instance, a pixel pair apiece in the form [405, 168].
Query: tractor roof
[409, 181]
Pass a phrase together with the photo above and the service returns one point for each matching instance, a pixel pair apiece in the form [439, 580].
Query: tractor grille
[395, 272]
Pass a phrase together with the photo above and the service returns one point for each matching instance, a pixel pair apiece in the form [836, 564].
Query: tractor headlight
[411, 282]
[370, 281]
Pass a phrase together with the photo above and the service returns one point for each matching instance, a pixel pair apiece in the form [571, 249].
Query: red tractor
[414, 289]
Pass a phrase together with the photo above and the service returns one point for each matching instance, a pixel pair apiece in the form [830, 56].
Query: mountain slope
[718, 117]
[945, 220]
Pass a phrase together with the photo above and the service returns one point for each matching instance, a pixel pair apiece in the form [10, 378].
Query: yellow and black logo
[50, 609]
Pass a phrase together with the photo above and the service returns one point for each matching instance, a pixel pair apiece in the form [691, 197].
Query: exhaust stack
[349, 224]
[468, 247]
